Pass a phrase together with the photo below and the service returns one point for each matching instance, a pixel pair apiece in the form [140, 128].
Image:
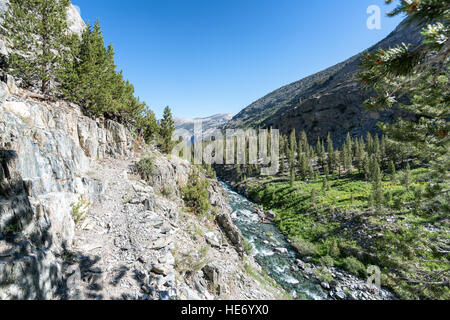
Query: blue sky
[203, 57]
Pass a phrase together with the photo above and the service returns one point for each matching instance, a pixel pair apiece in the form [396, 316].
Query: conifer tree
[166, 130]
[421, 74]
[149, 125]
[392, 170]
[330, 151]
[37, 34]
[377, 186]
[292, 149]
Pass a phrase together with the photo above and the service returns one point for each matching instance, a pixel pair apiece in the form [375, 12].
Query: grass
[341, 225]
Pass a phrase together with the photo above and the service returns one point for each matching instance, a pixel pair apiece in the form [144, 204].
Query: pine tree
[330, 151]
[149, 125]
[292, 149]
[392, 170]
[377, 186]
[37, 34]
[282, 162]
[166, 130]
[422, 74]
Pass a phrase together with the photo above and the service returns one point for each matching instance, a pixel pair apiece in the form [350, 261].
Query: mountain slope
[328, 101]
[209, 125]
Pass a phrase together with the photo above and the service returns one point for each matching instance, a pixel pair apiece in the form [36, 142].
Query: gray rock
[341, 295]
[212, 239]
[325, 285]
[160, 269]
[281, 250]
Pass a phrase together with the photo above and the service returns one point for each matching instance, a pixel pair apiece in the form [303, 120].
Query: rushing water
[266, 238]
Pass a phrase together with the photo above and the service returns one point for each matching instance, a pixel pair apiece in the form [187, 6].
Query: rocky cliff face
[135, 241]
[329, 101]
[46, 154]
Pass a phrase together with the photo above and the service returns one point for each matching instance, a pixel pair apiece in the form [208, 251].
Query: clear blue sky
[203, 57]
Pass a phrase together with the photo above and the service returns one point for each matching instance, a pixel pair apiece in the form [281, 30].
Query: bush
[167, 190]
[354, 266]
[323, 274]
[145, 168]
[248, 247]
[79, 209]
[326, 261]
[195, 193]
[304, 248]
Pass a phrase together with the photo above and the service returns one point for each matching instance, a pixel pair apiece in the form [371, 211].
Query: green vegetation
[79, 69]
[166, 131]
[248, 247]
[79, 209]
[37, 33]
[11, 229]
[195, 193]
[145, 168]
[342, 228]
[378, 200]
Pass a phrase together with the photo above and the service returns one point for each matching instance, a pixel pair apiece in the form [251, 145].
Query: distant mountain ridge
[328, 101]
[209, 124]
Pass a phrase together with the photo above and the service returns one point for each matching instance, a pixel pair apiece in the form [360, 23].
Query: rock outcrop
[133, 239]
[45, 157]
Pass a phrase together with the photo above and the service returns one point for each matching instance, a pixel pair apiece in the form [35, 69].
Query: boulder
[213, 240]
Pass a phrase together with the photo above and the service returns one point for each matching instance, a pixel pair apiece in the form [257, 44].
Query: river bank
[300, 277]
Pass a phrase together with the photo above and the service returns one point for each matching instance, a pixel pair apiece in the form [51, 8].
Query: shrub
[304, 248]
[323, 274]
[326, 261]
[167, 190]
[79, 209]
[354, 266]
[195, 193]
[145, 168]
[248, 247]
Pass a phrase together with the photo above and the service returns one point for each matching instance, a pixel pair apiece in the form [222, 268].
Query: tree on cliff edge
[37, 33]
[166, 131]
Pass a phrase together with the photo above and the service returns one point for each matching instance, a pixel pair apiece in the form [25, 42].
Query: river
[266, 239]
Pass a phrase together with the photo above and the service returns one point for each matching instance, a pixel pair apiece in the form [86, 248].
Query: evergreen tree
[392, 170]
[422, 74]
[37, 33]
[330, 151]
[166, 131]
[89, 78]
[292, 149]
[325, 186]
[377, 186]
[149, 125]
